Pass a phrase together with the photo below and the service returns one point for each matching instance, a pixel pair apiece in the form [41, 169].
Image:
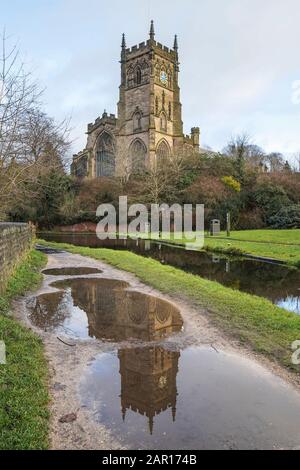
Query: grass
[281, 245]
[254, 320]
[23, 380]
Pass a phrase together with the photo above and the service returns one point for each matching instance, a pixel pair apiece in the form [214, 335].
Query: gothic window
[81, 168]
[156, 105]
[163, 122]
[105, 155]
[145, 72]
[138, 152]
[137, 121]
[163, 99]
[138, 76]
[162, 151]
[169, 80]
[130, 77]
[157, 72]
[170, 111]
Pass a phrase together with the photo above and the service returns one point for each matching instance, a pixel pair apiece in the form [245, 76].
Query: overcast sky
[239, 61]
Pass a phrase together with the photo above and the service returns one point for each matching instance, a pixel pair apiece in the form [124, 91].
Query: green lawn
[253, 320]
[265, 243]
[23, 380]
[281, 245]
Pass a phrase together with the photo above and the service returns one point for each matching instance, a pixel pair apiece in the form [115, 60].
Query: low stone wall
[15, 241]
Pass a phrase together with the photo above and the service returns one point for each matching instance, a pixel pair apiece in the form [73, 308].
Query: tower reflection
[148, 381]
[106, 309]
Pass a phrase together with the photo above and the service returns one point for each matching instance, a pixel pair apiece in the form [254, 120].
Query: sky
[239, 72]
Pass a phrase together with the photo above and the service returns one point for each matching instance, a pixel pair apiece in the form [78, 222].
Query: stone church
[148, 128]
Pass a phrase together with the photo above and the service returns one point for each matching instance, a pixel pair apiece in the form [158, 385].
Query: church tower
[149, 109]
[148, 128]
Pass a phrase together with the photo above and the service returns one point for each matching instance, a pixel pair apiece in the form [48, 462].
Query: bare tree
[296, 162]
[275, 162]
[30, 141]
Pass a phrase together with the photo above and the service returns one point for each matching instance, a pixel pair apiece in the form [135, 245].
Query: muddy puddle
[193, 399]
[159, 392]
[104, 309]
[77, 271]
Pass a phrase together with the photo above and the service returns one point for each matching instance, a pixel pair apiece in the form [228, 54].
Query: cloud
[239, 60]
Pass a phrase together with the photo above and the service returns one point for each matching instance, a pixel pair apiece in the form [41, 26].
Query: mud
[87, 379]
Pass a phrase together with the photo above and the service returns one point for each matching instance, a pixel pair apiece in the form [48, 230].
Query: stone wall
[15, 241]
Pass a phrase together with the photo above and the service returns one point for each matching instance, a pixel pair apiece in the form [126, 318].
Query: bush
[250, 219]
[287, 217]
[271, 199]
[232, 183]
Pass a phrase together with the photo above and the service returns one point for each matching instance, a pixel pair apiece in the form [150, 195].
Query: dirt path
[67, 362]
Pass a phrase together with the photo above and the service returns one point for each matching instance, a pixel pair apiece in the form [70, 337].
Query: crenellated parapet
[148, 127]
[109, 119]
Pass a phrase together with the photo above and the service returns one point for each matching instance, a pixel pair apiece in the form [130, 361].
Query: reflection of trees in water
[113, 312]
[49, 311]
[264, 279]
[148, 381]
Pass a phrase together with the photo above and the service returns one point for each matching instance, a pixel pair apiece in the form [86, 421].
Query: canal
[276, 282]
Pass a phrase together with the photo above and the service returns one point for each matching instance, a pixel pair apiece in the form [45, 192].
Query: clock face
[163, 77]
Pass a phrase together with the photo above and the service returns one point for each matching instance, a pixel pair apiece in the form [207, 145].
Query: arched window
[130, 77]
[137, 121]
[138, 76]
[163, 122]
[138, 153]
[156, 105]
[162, 152]
[105, 155]
[157, 71]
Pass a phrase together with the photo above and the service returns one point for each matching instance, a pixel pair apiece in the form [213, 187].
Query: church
[148, 128]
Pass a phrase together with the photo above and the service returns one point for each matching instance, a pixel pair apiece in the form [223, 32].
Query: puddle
[277, 283]
[103, 309]
[71, 271]
[152, 398]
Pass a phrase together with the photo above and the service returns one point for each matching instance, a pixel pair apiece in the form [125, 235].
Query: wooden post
[228, 224]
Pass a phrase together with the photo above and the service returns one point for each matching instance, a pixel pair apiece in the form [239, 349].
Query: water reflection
[152, 398]
[104, 309]
[148, 381]
[278, 283]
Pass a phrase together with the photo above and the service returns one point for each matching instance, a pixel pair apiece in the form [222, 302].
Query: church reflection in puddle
[104, 309]
[154, 398]
[148, 381]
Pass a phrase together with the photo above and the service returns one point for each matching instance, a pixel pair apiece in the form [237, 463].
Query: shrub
[287, 217]
[232, 183]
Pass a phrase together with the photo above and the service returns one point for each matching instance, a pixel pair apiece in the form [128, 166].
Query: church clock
[163, 77]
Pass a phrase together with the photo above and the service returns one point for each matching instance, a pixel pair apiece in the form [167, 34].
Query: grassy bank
[23, 380]
[283, 245]
[253, 320]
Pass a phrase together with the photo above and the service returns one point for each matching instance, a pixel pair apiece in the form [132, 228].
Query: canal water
[276, 282]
